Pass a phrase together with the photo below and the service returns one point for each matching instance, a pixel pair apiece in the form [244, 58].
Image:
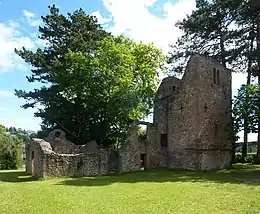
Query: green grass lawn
[158, 191]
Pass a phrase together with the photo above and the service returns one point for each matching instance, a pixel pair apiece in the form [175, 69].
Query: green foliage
[10, 151]
[210, 31]
[2, 130]
[95, 85]
[246, 112]
[250, 158]
[206, 31]
[142, 134]
[246, 106]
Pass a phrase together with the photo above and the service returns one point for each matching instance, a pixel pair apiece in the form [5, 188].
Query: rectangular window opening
[143, 161]
[164, 141]
[218, 77]
[32, 155]
[216, 129]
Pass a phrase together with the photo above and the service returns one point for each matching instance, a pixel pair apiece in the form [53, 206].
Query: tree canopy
[10, 150]
[94, 84]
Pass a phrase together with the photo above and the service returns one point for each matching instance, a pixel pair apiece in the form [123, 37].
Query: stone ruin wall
[180, 112]
[193, 143]
[130, 152]
[59, 157]
[154, 155]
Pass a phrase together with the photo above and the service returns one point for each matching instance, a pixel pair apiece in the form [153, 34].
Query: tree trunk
[233, 140]
[244, 146]
[248, 82]
[258, 135]
[258, 76]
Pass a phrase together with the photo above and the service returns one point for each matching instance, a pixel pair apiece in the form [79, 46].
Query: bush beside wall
[251, 158]
[10, 152]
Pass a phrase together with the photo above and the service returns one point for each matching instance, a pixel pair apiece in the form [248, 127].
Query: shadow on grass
[15, 176]
[240, 174]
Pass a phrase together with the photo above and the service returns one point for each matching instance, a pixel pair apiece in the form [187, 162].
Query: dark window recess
[214, 76]
[205, 107]
[57, 134]
[32, 155]
[218, 77]
[164, 141]
[181, 109]
[224, 93]
[216, 129]
[174, 88]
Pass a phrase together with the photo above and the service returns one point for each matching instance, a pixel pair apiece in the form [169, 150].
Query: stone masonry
[56, 156]
[192, 115]
[190, 130]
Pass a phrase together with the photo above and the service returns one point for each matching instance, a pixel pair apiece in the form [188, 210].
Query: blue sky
[145, 20]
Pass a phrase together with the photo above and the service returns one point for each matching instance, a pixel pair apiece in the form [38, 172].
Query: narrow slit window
[216, 129]
[181, 109]
[218, 77]
[205, 107]
[214, 76]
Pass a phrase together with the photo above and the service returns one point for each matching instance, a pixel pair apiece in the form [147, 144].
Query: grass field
[158, 191]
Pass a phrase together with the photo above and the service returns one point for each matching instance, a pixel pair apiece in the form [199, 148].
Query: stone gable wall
[190, 127]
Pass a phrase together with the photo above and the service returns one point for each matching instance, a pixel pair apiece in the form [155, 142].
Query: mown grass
[158, 191]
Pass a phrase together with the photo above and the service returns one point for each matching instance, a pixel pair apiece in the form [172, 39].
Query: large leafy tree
[246, 110]
[247, 18]
[76, 32]
[96, 84]
[10, 150]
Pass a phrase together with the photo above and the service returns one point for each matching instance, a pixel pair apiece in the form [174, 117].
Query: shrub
[251, 158]
[10, 152]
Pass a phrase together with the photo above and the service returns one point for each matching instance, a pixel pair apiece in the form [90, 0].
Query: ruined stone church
[190, 130]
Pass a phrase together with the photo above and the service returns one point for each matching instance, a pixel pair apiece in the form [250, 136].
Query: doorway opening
[143, 162]
[32, 163]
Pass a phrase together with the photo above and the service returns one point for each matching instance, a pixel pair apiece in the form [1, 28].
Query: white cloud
[133, 18]
[28, 14]
[101, 19]
[30, 17]
[4, 93]
[14, 24]
[10, 39]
